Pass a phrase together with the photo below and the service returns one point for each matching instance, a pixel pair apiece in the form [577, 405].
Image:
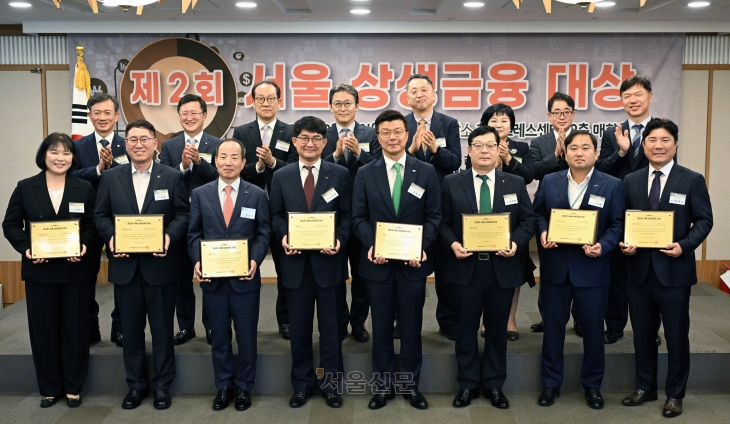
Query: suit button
[226, 235]
[40, 216]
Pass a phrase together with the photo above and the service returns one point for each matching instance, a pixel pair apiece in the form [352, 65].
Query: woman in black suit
[57, 290]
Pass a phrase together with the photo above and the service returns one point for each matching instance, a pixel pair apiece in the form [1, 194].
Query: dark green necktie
[397, 186]
[485, 196]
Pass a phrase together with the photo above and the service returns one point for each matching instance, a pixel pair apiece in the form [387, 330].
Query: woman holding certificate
[49, 222]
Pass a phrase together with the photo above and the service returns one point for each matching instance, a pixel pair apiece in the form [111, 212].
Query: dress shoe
[594, 398]
[639, 397]
[117, 338]
[449, 333]
[577, 329]
[134, 398]
[498, 399]
[94, 337]
[183, 336]
[162, 399]
[73, 402]
[513, 335]
[612, 336]
[464, 397]
[672, 408]
[360, 334]
[417, 399]
[396, 331]
[243, 399]
[223, 398]
[285, 331]
[658, 341]
[209, 337]
[548, 396]
[538, 328]
[298, 399]
[48, 401]
[379, 400]
[332, 399]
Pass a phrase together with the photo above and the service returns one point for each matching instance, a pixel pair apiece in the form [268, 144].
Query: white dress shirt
[315, 171]
[633, 132]
[576, 191]
[662, 178]
[98, 137]
[557, 136]
[141, 181]
[425, 118]
[478, 186]
[271, 125]
[197, 138]
[391, 170]
[222, 191]
[351, 129]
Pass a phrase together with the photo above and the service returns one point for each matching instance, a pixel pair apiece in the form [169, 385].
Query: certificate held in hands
[224, 258]
[652, 229]
[488, 232]
[401, 242]
[139, 234]
[55, 239]
[572, 226]
[311, 231]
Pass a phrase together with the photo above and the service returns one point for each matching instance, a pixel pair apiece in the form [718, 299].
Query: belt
[483, 256]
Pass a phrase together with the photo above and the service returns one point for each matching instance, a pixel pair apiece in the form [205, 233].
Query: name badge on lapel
[330, 195]
[441, 142]
[206, 157]
[75, 207]
[677, 198]
[121, 160]
[282, 145]
[365, 147]
[416, 190]
[596, 201]
[161, 195]
[248, 213]
[510, 199]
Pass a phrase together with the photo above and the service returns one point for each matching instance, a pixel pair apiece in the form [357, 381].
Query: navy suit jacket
[542, 150]
[570, 260]
[171, 155]
[524, 167]
[692, 225]
[611, 163]
[89, 157]
[364, 135]
[250, 135]
[287, 195]
[446, 160]
[372, 202]
[116, 197]
[207, 223]
[457, 198]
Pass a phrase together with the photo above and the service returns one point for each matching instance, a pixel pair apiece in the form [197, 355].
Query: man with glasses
[269, 147]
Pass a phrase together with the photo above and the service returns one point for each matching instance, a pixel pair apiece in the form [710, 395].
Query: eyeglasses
[98, 113]
[559, 114]
[191, 114]
[316, 140]
[479, 147]
[386, 133]
[144, 140]
[338, 105]
[270, 100]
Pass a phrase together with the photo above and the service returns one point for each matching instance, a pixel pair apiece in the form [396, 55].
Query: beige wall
[58, 92]
[718, 244]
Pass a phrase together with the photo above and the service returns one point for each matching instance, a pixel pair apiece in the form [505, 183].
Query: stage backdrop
[470, 72]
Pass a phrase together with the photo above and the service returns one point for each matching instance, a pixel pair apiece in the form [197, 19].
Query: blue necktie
[637, 138]
[656, 187]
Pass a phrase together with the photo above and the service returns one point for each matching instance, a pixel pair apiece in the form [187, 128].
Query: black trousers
[539, 290]
[94, 313]
[58, 326]
[185, 295]
[282, 308]
[481, 293]
[138, 300]
[647, 302]
[357, 313]
[445, 307]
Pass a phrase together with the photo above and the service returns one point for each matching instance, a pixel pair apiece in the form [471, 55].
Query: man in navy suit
[192, 154]
[660, 280]
[144, 284]
[396, 188]
[579, 273]
[312, 185]
[231, 208]
[483, 281]
[268, 148]
[98, 152]
[351, 145]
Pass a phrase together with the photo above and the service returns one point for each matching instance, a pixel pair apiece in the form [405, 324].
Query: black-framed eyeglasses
[315, 140]
[144, 140]
[567, 113]
[270, 100]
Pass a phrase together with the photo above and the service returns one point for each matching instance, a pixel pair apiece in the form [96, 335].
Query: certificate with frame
[55, 239]
[649, 229]
[487, 232]
[398, 241]
[139, 234]
[226, 258]
[573, 226]
[311, 231]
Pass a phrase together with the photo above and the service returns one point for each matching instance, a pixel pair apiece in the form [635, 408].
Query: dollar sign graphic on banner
[348, 56]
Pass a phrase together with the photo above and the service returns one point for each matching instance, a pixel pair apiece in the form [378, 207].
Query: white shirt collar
[222, 185]
[149, 170]
[197, 137]
[588, 177]
[271, 125]
[351, 128]
[490, 174]
[315, 166]
[390, 162]
[665, 169]
[566, 133]
[425, 118]
[108, 138]
[642, 123]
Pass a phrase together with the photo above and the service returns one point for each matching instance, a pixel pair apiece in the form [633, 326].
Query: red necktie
[309, 187]
[228, 206]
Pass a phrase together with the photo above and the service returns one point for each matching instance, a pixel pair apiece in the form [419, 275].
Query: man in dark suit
[192, 154]
[144, 284]
[396, 188]
[312, 185]
[578, 273]
[268, 148]
[98, 152]
[660, 280]
[483, 281]
[351, 145]
[231, 208]
[434, 138]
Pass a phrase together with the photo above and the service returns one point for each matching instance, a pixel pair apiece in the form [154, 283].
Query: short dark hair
[574, 134]
[485, 129]
[311, 124]
[657, 123]
[232, 140]
[53, 140]
[498, 109]
[419, 76]
[255, 86]
[631, 81]
[388, 116]
[557, 96]
[102, 97]
[141, 123]
[347, 88]
[189, 98]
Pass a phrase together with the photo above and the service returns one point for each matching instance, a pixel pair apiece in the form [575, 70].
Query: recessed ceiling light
[246, 4]
[699, 4]
[605, 4]
[359, 11]
[130, 3]
[21, 4]
[473, 4]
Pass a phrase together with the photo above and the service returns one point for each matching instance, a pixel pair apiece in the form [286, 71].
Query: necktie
[104, 142]
[309, 187]
[422, 124]
[637, 138]
[192, 141]
[266, 139]
[228, 205]
[397, 186]
[348, 153]
[656, 187]
[485, 196]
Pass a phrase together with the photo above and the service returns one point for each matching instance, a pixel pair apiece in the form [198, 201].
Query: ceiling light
[359, 11]
[605, 4]
[21, 4]
[130, 3]
[246, 4]
[473, 4]
[699, 4]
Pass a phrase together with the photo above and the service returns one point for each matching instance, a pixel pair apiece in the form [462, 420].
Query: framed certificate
[402, 242]
[652, 229]
[55, 239]
[139, 234]
[488, 232]
[312, 231]
[224, 258]
[573, 226]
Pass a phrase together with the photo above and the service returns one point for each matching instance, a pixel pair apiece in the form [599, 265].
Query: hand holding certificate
[55, 239]
[486, 232]
[311, 231]
[224, 258]
[572, 226]
[139, 234]
[401, 242]
[649, 229]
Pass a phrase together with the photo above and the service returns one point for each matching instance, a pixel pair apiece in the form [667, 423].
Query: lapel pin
[326, 177]
[158, 176]
[245, 192]
[414, 170]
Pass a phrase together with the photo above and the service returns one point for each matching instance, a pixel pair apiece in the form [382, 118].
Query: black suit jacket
[30, 202]
[116, 197]
[250, 135]
[89, 157]
[287, 195]
[365, 136]
[542, 150]
[171, 155]
[524, 166]
[447, 159]
[457, 198]
[692, 225]
[609, 160]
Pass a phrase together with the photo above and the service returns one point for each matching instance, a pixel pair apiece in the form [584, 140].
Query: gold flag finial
[82, 80]
[80, 50]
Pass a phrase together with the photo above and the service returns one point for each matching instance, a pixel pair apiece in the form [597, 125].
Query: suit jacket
[30, 202]
[116, 197]
[250, 135]
[570, 260]
[457, 198]
[524, 167]
[287, 195]
[542, 150]
[89, 157]
[372, 202]
[611, 163]
[364, 135]
[692, 225]
[207, 223]
[171, 155]
[446, 160]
